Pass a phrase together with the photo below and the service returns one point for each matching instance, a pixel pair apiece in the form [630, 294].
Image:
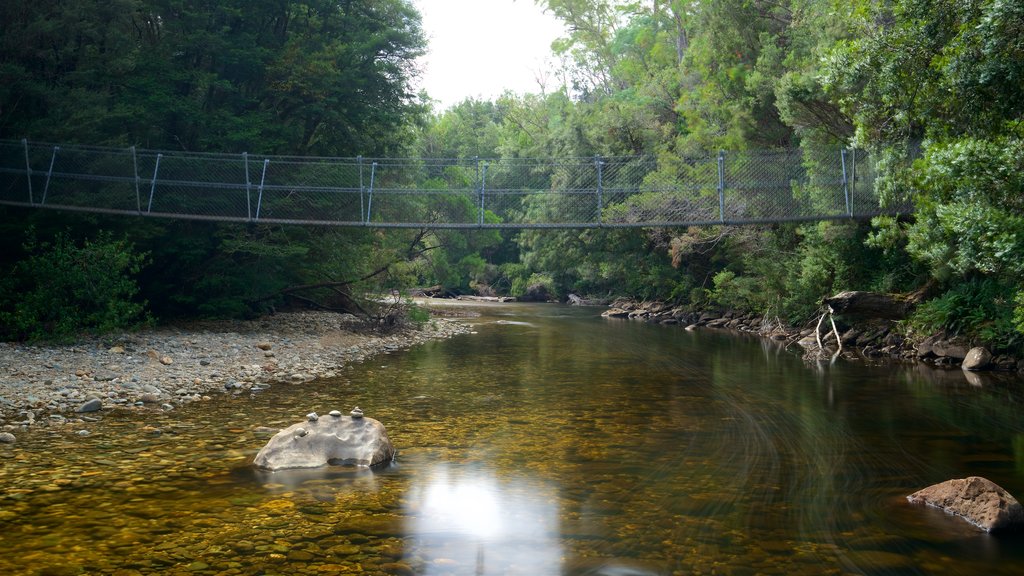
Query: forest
[929, 89]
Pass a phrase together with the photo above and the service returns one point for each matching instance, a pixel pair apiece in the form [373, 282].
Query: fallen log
[871, 305]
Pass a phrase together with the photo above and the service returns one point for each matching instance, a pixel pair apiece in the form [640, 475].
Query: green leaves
[977, 308]
[971, 218]
[62, 289]
[319, 78]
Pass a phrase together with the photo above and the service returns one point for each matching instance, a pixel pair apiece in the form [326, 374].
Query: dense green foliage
[929, 88]
[315, 77]
[62, 289]
[948, 74]
[309, 78]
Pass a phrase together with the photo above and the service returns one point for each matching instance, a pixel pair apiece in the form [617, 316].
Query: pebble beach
[165, 368]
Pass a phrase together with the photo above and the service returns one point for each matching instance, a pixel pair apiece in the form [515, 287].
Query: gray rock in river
[978, 358]
[91, 405]
[975, 499]
[7, 438]
[340, 441]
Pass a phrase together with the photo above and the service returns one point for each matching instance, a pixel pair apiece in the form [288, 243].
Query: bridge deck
[723, 188]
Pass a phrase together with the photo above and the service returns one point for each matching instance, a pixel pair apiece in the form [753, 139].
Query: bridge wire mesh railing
[717, 188]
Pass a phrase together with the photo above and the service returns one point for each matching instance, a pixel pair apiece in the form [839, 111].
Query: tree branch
[411, 254]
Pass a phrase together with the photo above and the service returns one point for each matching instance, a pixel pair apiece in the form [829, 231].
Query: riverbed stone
[977, 500]
[949, 349]
[91, 405]
[53, 379]
[7, 438]
[338, 441]
[978, 358]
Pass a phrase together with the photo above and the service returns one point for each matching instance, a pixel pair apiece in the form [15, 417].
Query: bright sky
[480, 48]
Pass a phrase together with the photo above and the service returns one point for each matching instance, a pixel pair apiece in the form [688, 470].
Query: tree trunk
[871, 305]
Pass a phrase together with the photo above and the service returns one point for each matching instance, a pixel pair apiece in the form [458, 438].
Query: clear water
[551, 442]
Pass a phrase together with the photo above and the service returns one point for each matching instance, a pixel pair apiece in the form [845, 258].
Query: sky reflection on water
[470, 517]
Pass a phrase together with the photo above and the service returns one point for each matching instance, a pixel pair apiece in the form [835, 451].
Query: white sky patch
[480, 48]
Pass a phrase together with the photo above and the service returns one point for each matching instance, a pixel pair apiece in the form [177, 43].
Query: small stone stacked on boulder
[333, 439]
[975, 499]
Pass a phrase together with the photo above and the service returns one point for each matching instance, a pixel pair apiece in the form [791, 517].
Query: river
[549, 442]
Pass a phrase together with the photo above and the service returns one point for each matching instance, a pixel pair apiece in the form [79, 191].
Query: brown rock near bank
[975, 499]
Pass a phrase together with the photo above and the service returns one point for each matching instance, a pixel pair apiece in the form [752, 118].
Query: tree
[310, 78]
[319, 77]
[946, 76]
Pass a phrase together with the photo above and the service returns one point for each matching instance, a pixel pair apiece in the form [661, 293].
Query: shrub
[62, 289]
[732, 291]
[979, 308]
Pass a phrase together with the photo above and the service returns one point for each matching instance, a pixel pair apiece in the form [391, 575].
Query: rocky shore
[869, 339]
[168, 367]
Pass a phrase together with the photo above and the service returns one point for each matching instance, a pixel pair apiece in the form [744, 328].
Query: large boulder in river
[334, 439]
[975, 499]
[978, 358]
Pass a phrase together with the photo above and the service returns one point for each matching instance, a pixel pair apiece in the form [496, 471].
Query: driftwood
[835, 330]
[871, 305]
[485, 298]
[577, 300]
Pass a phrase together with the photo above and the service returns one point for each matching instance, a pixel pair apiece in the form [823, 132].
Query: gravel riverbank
[168, 367]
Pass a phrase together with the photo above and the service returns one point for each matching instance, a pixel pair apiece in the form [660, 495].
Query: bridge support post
[28, 171]
[248, 187]
[846, 184]
[152, 186]
[599, 166]
[721, 186]
[135, 171]
[259, 196]
[369, 198]
[483, 189]
[49, 174]
[362, 192]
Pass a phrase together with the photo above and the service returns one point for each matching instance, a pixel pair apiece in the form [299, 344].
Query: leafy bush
[735, 292]
[980, 308]
[416, 313]
[521, 285]
[1018, 312]
[62, 289]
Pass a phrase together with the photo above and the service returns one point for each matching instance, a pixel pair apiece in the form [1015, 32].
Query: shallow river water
[550, 442]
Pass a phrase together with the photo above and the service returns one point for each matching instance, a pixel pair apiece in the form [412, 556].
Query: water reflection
[467, 517]
[358, 478]
[569, 446]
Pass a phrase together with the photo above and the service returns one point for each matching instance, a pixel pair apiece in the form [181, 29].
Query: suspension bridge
[731, 188]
